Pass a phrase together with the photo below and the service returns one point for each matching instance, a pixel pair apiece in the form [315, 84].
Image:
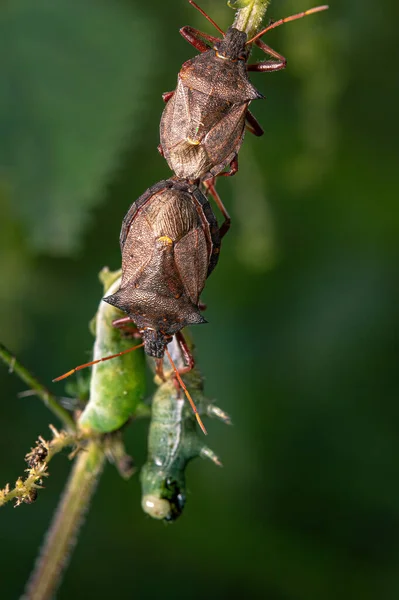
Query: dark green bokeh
[302, 346]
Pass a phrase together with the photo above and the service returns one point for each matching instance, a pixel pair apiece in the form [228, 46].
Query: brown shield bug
[170, 244]
[203, 123]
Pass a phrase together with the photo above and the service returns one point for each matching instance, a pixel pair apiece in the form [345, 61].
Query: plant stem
[25, 490]
[48, 398]
[63, 532]
[250, 16]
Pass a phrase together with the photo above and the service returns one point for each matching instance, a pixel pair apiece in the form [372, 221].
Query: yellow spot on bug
[193, 142]
[166, 240]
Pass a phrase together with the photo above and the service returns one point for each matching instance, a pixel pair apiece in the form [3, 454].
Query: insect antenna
[95, 362]
[206, 16]
[195, 411]
[287, 20]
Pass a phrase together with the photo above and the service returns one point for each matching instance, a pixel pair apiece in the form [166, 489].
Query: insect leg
[232, 170]
[268, 65]
[160, 149]
[188, 357]
[126, 325]
[196, 38]
[166, 96]
[253, 125]
[178, 372]
[159, 368]
[233, 167]
[210, 186]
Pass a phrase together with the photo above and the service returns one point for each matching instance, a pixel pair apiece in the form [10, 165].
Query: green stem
[48, 398]
[249, 15]
[63, 532]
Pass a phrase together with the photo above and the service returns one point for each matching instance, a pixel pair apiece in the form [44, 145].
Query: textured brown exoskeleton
[203, 123]
[170, 244]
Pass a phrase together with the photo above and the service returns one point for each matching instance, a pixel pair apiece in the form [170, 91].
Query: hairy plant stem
[62, 535]
[249, 15]
[41, 391]
[25, 489]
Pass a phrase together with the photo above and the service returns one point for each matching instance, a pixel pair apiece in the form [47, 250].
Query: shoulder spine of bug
[117, 387]
[173, 441]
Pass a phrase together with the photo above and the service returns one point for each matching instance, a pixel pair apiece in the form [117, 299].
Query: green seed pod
[117, 387]
[174, 440]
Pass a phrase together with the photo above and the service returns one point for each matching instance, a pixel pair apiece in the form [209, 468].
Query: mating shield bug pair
[169, 239]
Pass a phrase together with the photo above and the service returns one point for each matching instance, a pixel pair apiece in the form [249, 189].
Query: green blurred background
[302, 346]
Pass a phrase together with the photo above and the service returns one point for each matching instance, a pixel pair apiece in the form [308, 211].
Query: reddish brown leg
[193, 37]
[128, 332]
[268, 65]
[166, 96]
[127, 327]
[202, 306]
[159, 368]
[232, 170]
[160, 150]
[253, 125]
[210, 186]
[188, 357]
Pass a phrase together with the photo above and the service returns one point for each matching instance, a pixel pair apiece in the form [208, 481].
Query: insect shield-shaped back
[203, 124]
[170, 244]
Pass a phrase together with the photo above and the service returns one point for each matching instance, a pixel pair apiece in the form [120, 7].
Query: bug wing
[178, 133]
[175, 119]
[224, 140]
[191, 258]
[137, 251]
